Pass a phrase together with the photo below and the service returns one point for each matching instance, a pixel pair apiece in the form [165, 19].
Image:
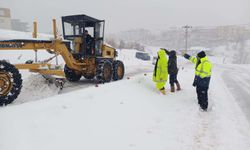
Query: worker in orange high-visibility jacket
[203, 70]
[160, 75]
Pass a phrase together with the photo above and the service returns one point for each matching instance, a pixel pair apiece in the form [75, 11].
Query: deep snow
[129, 114]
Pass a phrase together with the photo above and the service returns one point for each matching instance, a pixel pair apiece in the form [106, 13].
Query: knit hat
[173, 52]
[201, 54]
[165, 50]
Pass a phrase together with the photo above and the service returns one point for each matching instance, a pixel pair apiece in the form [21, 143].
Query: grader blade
[57, 81]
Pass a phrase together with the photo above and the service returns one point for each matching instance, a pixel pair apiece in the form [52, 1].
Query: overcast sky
[123, 15]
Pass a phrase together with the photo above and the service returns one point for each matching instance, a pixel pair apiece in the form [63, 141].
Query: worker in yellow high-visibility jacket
[203, 70]
[160, 75]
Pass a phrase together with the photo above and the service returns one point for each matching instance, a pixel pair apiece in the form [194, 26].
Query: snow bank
[128, 114]
[10, 34]
[35, 87]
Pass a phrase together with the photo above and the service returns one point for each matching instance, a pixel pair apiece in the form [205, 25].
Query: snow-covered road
[128, 114]
[237, 80]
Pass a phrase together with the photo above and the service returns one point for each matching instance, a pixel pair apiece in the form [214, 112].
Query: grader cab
[82, 49]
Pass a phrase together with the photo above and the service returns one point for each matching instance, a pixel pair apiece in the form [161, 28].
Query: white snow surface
[10, 34]
[127, 114]
[131, 113]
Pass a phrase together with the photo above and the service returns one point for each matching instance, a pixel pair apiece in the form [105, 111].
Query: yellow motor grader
[83, 54]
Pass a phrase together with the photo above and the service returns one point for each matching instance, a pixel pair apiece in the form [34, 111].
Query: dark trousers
[173, 79]
[202, 96]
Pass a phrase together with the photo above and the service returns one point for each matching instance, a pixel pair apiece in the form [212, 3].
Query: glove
[186, 56]
[167, 52]
[195, 81]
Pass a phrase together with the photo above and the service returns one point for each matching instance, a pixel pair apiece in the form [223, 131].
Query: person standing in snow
[173, 71]
[203, 68]
[160, 75]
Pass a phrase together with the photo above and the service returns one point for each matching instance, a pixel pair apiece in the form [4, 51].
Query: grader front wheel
[71, 75]
[88, 76]
[10, 83]
[5, 83]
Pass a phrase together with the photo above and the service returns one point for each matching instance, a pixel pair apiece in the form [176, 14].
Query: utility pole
[186, 27]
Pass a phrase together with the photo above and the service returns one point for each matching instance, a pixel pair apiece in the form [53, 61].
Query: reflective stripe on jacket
[161, 67]
[203, 67]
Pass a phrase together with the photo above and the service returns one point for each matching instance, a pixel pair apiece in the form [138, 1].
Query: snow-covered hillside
[131, 113]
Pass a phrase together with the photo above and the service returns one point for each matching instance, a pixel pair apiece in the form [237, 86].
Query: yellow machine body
[58, 48]
[101, 64]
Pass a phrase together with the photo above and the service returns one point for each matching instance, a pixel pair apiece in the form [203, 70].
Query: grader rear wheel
[104, 72]
[88, 76]
[118, 70]
[10, 83]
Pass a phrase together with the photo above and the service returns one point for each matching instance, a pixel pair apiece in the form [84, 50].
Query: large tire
[10, 83]
[71, 75]
[88, 76]
[118, 70]
[104, 72]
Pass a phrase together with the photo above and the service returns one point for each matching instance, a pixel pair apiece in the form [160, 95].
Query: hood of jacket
[161, 53]
[203, 59]
[172, 54]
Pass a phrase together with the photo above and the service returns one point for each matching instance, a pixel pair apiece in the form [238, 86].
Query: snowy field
[131, 113]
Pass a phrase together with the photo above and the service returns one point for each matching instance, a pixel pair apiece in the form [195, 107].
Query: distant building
[11, 24]
[5, 18]
[18, 25]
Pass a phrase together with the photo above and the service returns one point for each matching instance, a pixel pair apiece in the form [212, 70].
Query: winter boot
[172, 88]
[203, 109]
[163, 91]
[178, 86]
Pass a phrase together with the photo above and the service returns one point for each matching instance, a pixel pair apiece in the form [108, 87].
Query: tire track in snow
[225, 126]
[237, 80]
[205, 138]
